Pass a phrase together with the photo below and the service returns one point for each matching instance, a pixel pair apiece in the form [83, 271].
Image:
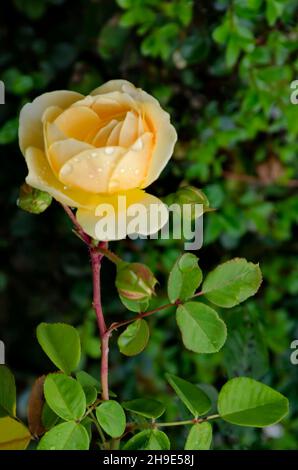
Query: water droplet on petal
[114, 185]
[93, 154]
[66, 169]
[126, 88]
[109, 150]
[138, 145]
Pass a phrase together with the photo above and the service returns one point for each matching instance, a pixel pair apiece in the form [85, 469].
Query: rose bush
[86, 151]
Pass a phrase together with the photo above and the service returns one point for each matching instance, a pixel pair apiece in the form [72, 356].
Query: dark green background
[228, 93]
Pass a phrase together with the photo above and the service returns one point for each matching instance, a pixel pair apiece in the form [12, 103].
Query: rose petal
[165, 139]
[112, 210]
[30, 128]
[41, 177]
[129, 130]
[78, 122]
[126, 88]
[63, 150]
[111, 86]
[101, 137]
[114, 135]
[90, 170]
[133, 166]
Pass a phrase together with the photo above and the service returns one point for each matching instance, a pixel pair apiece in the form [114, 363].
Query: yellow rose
[86, 151]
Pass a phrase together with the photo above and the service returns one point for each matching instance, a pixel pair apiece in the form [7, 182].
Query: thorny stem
[78, 228]
[103, 331]
[96, 258]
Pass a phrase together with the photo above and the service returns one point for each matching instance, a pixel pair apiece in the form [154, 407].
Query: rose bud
[135, 281]
[189, 195]
[33, 200]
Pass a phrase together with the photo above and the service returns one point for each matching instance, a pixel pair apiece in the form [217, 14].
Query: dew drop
[138, 145]
[114, 185]
[66, 169]
[109, 150]
[93, 154]
[126, 88]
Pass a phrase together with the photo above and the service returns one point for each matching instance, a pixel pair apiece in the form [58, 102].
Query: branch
[96, 258]
[116, 325]
[79, 230]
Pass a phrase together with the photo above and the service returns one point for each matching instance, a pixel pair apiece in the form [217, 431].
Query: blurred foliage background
[223, 70]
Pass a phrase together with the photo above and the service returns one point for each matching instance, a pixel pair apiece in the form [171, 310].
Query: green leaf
[246, 402]
[145, 407]
[135, 305]
[7, 392]
[48, 417]
[199, 437]
[9, 131]
[111, 418]
[134, 338]
[254, 4]
[201, 328]
[150, 439]
[87, 380]
[232, 282]
[65, 436]
[65, 396]
[221, 33]
[185, 277]
[90, 394]
[232, 51]
[274, 10]
[90, 385]
[61, 343]
[192, 396]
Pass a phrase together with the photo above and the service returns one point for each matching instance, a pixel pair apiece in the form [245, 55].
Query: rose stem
[96, 258]
[104, 333]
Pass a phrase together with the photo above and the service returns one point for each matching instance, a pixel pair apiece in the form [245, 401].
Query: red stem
[104, 333]
[78, 227]
[96, 258]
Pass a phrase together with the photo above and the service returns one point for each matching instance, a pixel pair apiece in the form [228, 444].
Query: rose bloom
[86, 151]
